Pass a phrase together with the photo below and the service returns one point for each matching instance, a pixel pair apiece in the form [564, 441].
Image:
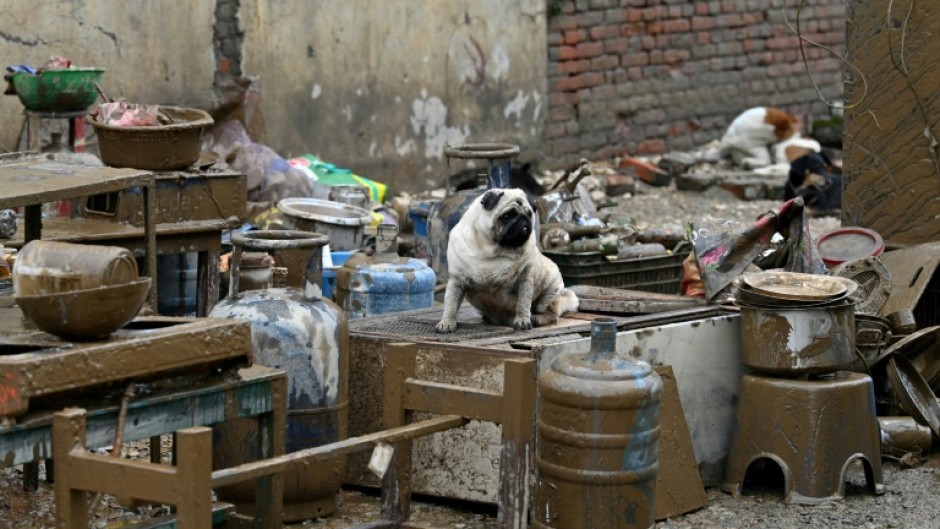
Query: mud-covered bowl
[86, 314]
[798, 340]
[169, 147]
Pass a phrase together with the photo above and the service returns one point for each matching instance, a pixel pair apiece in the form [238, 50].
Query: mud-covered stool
[813, 429]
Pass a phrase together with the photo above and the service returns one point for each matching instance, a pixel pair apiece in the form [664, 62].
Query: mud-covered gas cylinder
[446, 213]
[383, 282]
[598, 439]
[294, 329]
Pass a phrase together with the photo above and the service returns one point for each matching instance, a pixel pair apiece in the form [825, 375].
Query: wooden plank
[31, 439]
[36, 179]
[63, 366]
[247, 471]
[435, 397]
[892, 158]
[193, 478]
[112, 475]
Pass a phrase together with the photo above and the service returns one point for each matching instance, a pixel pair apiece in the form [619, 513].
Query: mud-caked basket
[169, 147]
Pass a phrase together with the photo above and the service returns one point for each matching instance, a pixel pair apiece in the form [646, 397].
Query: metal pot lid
[795, 286]
[873, 279]
[913, 393]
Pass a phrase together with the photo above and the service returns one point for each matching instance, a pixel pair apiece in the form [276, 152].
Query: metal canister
[598, 439]
[293, 329]
[384, 282]
[49, 267]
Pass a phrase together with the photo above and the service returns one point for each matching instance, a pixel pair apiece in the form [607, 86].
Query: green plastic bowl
[65, 90]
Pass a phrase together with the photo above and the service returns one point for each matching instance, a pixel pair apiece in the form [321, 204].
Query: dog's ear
[490, 199]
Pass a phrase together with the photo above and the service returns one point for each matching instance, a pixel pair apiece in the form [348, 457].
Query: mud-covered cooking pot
[800, 340]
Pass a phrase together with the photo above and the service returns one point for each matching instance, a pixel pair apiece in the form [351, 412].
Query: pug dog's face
[510, 216]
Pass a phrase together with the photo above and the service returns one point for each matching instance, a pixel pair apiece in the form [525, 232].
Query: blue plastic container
[384, 282]
[329, 272]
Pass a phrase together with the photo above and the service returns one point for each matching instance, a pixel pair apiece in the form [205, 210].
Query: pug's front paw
[446, 326]
[522, 323]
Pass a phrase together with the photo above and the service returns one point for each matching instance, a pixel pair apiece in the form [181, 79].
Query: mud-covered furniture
[30, 180]
[191, 210]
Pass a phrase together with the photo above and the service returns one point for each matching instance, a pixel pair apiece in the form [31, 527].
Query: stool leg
[33, 132]
[77, 134]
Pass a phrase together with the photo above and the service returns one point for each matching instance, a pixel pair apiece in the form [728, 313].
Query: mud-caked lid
[609, 368]
[602, 362]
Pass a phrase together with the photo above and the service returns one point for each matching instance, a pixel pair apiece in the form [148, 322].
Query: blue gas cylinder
[292, 328]
[384, 282]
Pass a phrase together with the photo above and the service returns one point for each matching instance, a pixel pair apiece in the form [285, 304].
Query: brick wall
[646, 76]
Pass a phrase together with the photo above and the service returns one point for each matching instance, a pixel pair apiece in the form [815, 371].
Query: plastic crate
[661, 274]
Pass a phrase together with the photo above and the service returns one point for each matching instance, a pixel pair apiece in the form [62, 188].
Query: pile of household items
[723, 346]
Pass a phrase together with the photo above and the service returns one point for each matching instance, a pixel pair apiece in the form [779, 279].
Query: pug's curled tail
[567, 301]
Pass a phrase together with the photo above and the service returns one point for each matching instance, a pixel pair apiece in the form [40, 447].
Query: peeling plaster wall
[153, 50]
[892, 152]
[381, 87]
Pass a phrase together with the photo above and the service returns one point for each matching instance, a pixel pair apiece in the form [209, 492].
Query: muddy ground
[912, 500]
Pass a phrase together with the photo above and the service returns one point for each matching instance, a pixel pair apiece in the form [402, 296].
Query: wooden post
[194, 478]
[396, 484]
[515, 454]
[71, 506]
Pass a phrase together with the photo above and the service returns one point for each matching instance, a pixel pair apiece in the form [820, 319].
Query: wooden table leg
[33, 222]
[150, 230]
[207, 281]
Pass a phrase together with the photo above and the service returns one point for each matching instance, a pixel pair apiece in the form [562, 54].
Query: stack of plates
[791, 290]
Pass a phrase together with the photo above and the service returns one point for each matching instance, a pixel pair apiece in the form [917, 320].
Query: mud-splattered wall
[892, 168]
[381, 87]
[153, 51]
[376, 86]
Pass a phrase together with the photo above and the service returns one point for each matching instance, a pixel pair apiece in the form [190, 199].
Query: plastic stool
[812, 429]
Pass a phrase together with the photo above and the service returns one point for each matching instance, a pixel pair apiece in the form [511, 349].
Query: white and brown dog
[750, 135]
[493, 261]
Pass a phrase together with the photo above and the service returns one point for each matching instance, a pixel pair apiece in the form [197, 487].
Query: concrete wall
[381, 87]
[153, 50]
[646, 76]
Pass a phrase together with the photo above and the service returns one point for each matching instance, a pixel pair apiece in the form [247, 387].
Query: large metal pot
[798, 341]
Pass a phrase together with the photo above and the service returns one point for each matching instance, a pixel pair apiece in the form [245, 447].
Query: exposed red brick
[702, 23]
[574, 36]
[604, 32]
[573, 67]
[651, 146]
[590, 49]
[567, 53]
[617, 45]
[676, 25]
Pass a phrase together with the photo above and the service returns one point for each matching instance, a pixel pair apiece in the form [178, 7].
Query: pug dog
[493, 262]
